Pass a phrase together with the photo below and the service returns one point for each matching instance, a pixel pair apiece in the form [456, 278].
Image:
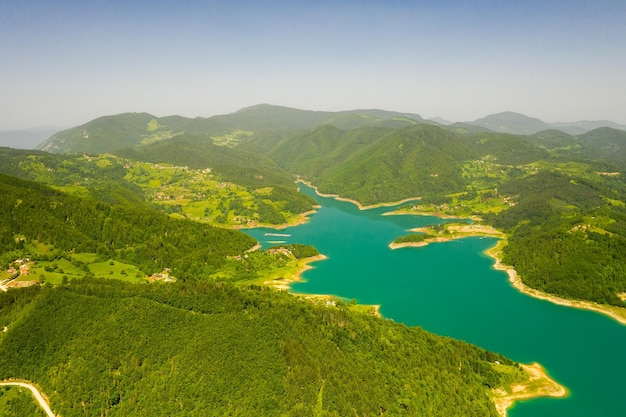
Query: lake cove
[451, 288]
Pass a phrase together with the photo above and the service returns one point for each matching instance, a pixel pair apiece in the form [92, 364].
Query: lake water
[452, 289]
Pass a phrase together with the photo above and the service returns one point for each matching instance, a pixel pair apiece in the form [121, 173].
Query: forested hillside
[568, 236]
[147, 210]
[463, 169]
[34, 213]
[221, 186]
[110, 133]
[377, 165]
[106, 348]
[560, 199]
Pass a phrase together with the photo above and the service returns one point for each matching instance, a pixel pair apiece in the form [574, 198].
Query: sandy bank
[428, 213]
[539, 384]
[356, 203]
[614, 312]
[284, 284]
[301, 218]
[456, 232]
[255, 247]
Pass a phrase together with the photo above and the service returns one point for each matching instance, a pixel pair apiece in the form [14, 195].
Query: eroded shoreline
[355, 202]
[457, 232]
[299, 219]
[616, 313]
[539, 384]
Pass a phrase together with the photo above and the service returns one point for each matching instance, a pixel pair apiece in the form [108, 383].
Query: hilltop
[110, 133]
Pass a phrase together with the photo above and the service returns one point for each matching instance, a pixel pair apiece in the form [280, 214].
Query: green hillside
[605, 143]
[420, 160]
[559, 198]
[102, 177]
[375, 165]
[201, 346]
[35, 214]
[506, 149]
[111, 133]
[106, 348]
[567, 235]
[314, 152]
[261, 191]
[510, 122]
[103, 134]
[231, 195]
[270, 117]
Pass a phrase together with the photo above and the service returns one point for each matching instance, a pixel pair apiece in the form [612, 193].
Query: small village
[18, 269]
[162, 276]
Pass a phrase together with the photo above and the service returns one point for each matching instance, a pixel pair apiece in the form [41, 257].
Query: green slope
[567, 235]
[406, 163]
[101, 135]
[511, 122]
[36, 214]
[202, 349]
[506, 149]
[241, 189]
[375, 165]
[605, 143]
[194, 151]
[314, 152]
[270, 117]
[110, 133]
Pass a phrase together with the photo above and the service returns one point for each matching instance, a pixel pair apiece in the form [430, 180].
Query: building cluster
[280, 251]
[162, 276]
[17, 269]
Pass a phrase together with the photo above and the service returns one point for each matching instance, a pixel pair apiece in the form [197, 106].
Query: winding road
[40, 399]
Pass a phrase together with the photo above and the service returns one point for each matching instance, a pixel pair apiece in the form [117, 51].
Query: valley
[134, 225]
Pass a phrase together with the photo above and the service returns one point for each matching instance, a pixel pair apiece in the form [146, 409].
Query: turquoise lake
[452, 289]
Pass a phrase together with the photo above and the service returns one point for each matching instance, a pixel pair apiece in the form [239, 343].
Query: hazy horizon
[65, 63]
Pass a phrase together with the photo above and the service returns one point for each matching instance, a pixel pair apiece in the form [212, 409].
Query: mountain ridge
[109, 133]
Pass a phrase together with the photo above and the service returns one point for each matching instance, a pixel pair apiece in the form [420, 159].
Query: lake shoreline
[355, 202]
[429, 214]
[539, 384]
[284, 284]
[616, 313]
[459, 232]
[299, 219]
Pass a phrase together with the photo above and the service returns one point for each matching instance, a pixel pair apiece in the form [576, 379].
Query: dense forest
[153, 207]
[36, 213]
[196, 349]
[556, 194]
[238, 184]
[377, 165]
[564, 238]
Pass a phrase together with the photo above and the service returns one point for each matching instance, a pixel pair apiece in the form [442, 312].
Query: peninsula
[539, 384]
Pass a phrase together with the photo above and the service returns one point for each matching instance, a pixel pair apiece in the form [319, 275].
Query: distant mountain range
[539, 186]
[132, 129]
[519, 124]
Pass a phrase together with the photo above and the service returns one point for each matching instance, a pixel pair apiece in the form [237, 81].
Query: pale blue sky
[63, 63]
